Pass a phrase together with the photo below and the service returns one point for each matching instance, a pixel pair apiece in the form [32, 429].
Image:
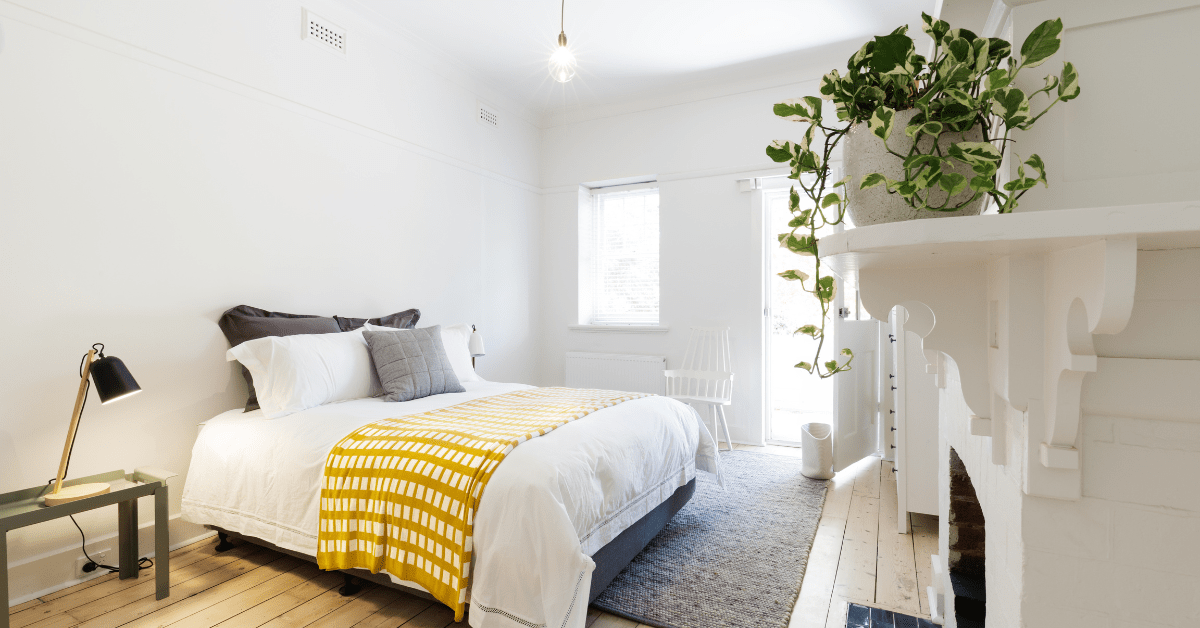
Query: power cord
[144, 562]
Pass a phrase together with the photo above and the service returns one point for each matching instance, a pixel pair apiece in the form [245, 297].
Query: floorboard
[857, 556]
[896, 573]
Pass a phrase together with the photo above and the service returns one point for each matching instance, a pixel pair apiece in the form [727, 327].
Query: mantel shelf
[940, 241]
[1015, 301]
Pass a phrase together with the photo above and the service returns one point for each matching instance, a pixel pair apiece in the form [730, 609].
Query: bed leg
[351, 586]
[223, 543]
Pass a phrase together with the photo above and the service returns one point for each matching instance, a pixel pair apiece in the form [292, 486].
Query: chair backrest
[707, 369]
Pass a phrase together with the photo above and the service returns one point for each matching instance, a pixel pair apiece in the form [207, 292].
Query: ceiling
[633, 49]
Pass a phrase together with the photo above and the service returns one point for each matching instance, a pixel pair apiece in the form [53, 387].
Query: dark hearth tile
[858, 617]
[882, 619]
[925, 623]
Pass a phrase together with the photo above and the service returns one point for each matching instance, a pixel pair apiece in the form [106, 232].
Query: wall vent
[488, 116]
[322, 33]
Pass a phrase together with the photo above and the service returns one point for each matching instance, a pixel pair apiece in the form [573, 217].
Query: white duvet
[552, 503]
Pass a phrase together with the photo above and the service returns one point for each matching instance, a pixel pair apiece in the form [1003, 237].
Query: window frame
[589, 216]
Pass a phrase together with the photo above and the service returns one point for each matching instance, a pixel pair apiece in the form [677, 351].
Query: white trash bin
[817, 449]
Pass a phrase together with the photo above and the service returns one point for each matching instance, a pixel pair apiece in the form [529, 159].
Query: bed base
[610, 559]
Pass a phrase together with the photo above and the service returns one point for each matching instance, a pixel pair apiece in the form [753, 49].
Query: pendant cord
[562, 17]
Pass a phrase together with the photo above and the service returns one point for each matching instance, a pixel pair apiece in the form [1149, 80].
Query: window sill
[620, 329]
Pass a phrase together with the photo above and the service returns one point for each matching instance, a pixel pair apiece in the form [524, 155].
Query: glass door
[794, 397]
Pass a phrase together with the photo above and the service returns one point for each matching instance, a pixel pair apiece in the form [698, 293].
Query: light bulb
[562, 62]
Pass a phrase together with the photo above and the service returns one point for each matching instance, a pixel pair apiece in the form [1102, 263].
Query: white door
[855, 415]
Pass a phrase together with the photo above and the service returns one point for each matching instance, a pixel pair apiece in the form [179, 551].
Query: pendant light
[562, 62]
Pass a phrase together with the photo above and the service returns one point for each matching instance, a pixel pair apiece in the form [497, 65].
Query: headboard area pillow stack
[244, 323]
[294, 373]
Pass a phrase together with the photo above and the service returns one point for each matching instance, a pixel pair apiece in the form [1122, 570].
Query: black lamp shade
[113, 381]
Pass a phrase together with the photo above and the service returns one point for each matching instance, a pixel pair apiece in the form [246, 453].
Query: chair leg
[724, 424]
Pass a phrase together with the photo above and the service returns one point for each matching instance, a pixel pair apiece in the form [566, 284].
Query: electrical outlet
[100, 556]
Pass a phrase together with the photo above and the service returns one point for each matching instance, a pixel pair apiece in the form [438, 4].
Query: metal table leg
[162, 544]
[4, 576]
[127, 538]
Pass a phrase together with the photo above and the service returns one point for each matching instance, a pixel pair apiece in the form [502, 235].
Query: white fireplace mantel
[1016, 300]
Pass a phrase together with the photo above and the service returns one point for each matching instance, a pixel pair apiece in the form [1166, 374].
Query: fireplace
[966, 542]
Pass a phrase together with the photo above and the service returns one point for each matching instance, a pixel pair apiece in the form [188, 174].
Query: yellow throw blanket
[400, 495]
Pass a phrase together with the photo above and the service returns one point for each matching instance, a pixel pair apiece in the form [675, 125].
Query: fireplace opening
[966, 558]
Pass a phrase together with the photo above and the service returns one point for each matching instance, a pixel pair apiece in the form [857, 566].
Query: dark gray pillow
[412, 363]
[400, 320]
[244, 323]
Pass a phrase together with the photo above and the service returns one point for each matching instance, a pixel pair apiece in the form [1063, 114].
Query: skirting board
[52, 571]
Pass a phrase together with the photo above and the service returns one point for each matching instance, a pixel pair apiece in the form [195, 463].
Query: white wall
[711, 235]
[162, 162]
[1114, 145]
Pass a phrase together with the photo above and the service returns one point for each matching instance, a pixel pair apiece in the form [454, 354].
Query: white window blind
[624, 258]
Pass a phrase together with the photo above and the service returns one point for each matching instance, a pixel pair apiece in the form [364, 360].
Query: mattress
[552, 504]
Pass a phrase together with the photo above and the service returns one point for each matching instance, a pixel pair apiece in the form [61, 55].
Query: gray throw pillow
[412, 363]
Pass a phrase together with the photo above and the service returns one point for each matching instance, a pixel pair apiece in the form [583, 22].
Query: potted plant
[924, 138]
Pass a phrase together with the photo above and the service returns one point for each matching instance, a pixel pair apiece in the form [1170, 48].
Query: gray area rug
[729, 558]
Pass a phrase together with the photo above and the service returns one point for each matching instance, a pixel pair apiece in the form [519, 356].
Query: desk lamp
[113, 381]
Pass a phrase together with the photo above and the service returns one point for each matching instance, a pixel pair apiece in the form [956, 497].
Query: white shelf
[1015, 300]
[940, 241]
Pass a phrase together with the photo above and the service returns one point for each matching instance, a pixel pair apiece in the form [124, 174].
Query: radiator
[608, 371]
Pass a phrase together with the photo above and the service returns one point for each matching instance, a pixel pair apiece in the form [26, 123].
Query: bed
[561, 516]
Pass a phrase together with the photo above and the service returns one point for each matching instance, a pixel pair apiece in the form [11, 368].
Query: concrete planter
[864, 153]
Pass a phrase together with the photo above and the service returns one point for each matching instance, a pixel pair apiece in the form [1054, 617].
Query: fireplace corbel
[1017, 299]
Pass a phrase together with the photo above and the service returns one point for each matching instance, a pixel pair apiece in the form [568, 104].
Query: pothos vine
[969, 82]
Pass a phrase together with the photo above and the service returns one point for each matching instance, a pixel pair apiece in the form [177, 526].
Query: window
[619, 257]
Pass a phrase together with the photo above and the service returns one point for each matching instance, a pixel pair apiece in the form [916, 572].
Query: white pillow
[294, 373]
[455, 339]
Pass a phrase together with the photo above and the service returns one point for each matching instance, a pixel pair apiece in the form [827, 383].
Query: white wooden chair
[706, 377]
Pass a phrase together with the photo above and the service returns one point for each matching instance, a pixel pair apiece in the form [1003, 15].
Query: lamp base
[76, 493]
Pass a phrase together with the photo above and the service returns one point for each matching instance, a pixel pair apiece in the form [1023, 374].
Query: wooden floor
[856, 556]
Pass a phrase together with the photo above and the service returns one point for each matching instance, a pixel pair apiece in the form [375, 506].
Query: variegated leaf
[1041, 44]
[881, 122]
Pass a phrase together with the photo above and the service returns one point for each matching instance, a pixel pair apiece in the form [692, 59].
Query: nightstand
[24, 508]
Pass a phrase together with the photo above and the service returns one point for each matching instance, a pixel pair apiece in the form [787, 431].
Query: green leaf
[998, 48]
[998, 79]
[892, 54]
[806, 366]
[953, 183]
[801, 219]
[960, 50]
[793, 200]
[936, 29]
[872, 180]
[808, 330]
[826, 289]
[794, 275]
[830, 199]
[982, 183]
[979, 53]
[1017, 185]
[959, 96]
[976, 153]
[800, 110]
[829, 85]
[780, 151]
[803, 245]
[1035, 162]
[1041, 44]
[1068, 85]
[881, 122]
[1010, 105]
[848, 352]
[831, 365]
